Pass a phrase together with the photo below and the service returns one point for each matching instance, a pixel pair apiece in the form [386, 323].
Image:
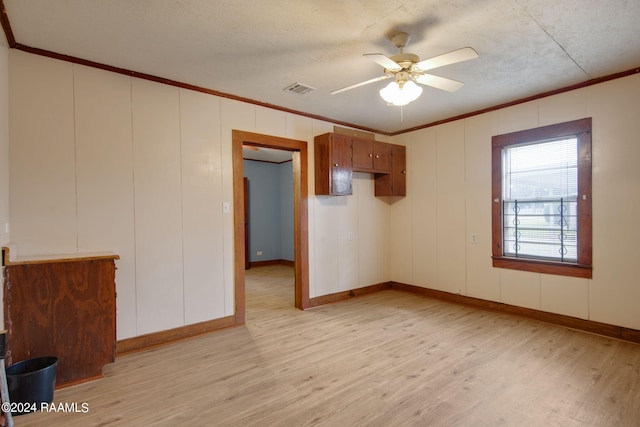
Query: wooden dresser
[63, 306]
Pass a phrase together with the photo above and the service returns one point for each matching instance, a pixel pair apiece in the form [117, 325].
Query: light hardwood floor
[384, 359]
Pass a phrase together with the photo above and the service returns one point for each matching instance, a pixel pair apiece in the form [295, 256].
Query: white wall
[105, 162]
[101, 161]
[449, 198]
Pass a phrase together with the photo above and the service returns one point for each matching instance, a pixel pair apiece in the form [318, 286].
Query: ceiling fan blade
[459, 55]
[384, 60]
[439, 82]
[344, 89]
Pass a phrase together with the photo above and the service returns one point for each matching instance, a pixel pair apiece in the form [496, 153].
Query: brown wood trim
[157, 339]
[6, 25]
[238, 228]
[573, 127]
[544, 267]
[170, 336]
[264, 263]
[629, 334]
[266, 161]
[301, 226]
[344, 295]
[48, 259]
[79, 381]
[272, 262]
[605, 329]
[145, 76]
[300, 214]
[42, 52]
[576, 86]
[581, 128]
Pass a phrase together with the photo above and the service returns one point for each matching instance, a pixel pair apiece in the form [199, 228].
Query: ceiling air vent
[298, 88]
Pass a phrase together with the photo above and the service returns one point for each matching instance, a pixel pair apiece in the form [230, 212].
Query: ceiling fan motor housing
[405, 60]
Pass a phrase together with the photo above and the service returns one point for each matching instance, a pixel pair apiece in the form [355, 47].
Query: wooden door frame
[300, 215]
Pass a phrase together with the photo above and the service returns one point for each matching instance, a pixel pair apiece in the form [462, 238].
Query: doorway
[300, 216]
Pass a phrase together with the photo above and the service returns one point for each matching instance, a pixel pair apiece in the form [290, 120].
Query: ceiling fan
[406, 69]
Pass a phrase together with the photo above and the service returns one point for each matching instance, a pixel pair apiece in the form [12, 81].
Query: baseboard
[605, 329]
[271, 262]
[157, 339]
[340, 296]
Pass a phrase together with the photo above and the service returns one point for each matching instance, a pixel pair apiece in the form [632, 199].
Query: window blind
[540, 188]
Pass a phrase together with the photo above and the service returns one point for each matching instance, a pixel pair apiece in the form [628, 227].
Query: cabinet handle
[370, 155]
[404, 171]
[336, 165]
[377, 156]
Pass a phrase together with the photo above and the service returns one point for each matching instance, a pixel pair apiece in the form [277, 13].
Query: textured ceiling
[254, 49]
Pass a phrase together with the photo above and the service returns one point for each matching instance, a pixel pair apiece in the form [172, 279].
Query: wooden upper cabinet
[362, 154]
[337, 156]
[371, 156]
[382, 157]
[394, 183]
[333, 164]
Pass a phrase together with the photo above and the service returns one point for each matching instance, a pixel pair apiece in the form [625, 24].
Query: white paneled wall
[460, 187]
[614, 291]
[372, 234]
[42, 155]
[105, 162]
[483, 281]
[202, 217]
[158, 200]
[450, 205]
[326, 237]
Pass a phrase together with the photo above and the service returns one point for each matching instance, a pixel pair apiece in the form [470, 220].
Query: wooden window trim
[582, 130]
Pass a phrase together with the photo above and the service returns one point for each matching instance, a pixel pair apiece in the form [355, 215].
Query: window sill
[545, 267]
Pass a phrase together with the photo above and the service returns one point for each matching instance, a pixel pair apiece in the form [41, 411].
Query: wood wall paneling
[326, 238]
[42, 188]
[345, 222]
[158, 207]
[202, 216]
[423, 227]
[614, 290]
[482, 280]
[451, 232]
[233, 115]
[104, 162]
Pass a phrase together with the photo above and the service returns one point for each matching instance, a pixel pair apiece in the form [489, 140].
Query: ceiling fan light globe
[394, 94]
[389, 92]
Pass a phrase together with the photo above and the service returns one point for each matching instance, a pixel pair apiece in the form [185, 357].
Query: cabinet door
[399, 170]
[395, 182]
[382, 157]
[341, 164]
[362, 154]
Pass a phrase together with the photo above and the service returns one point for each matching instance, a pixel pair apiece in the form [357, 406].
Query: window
[541, 214]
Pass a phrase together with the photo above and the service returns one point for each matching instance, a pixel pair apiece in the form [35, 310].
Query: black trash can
[31, 382]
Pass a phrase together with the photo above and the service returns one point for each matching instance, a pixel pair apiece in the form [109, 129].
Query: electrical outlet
[474, 239]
